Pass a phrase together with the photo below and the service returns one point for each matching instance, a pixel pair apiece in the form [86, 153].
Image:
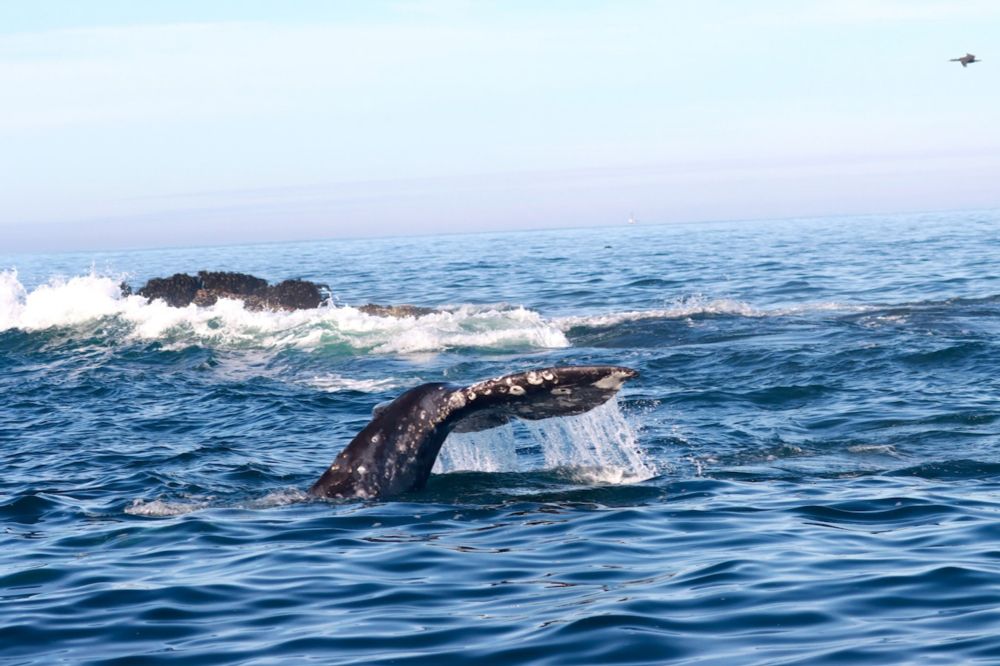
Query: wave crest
[686, 307]
[227, 323]
[702, 306]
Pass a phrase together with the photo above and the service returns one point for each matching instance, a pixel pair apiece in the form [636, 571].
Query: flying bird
[966, 60]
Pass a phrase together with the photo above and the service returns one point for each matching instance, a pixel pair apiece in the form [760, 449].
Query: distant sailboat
[631, 218]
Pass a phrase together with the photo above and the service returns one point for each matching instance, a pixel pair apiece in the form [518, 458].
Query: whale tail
[536, 395]
[395, 452]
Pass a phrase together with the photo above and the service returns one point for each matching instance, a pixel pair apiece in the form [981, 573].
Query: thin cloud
[880, 11]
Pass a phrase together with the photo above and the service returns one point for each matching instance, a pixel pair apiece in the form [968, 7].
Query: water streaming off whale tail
[493, 450]
[597, 447]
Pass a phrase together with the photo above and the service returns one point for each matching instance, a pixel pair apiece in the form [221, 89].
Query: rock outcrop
[177, 290]
[206, 288]
[181, 289]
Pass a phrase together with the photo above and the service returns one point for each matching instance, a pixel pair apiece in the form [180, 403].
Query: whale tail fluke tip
[538, 394]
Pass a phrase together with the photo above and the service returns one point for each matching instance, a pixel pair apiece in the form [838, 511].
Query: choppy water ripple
[753, 568]
[817, 406]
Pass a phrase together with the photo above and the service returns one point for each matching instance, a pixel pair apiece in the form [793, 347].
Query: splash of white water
[228, 324]
[599, 446]
[493, 450]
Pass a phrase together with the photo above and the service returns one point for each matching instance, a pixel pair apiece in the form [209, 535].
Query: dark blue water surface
[819, 400]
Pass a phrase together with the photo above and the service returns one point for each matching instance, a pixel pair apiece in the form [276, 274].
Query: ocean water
[807, 470]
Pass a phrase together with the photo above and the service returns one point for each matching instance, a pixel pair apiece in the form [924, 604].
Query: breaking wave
[94, 299]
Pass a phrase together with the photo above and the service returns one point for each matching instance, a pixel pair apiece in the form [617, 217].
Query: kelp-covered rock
[178, 290]
[181, 290]
[295, 295]
[206, 288]
[232, 283]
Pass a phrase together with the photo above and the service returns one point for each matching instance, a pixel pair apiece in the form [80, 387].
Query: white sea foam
[277, 498]
[12, 298]
[466, 326]
[599, 446]
[335, 383]
[227, 323]
[684, 308]
[59, 303]
[874, 449]
[693, 306]
[67, 303]
[160, 508]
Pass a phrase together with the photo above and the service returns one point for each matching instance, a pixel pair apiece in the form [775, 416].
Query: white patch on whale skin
[612, 382]
[561, 390]
[533, 378]
[516, 390]
[457, 400]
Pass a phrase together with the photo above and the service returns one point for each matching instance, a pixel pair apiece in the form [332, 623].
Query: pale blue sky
[181, 122]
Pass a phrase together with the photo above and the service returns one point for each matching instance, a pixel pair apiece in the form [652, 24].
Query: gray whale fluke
[395, 452]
